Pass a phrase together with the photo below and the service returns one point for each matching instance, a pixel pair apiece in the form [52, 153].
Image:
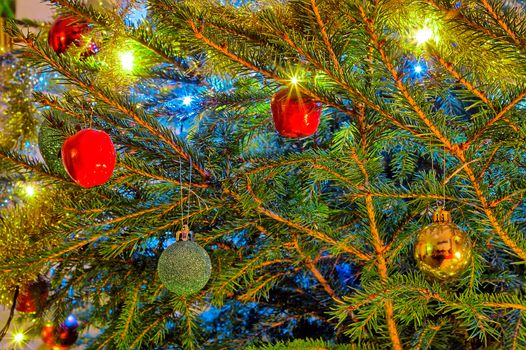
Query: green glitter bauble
[50, 143]
[184, 267]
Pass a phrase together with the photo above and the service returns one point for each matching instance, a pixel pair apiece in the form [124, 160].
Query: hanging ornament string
[189, 193]
[185, 230]
[432, 154]
[91, 119]
[4, 330]
[444, 166]
[181, 191]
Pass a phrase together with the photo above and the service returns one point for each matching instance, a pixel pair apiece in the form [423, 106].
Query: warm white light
[423, 35]
[127, 60]
[458, 255]
[18, 338]
[294, 80]
[30, 190]
[187, 100]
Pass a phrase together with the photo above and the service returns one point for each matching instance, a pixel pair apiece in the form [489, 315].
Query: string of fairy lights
[128, 61]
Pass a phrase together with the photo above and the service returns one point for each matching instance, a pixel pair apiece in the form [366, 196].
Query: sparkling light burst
[187, 100]
[127, 60]
[423, 35]
[30, 190]
[18, 338]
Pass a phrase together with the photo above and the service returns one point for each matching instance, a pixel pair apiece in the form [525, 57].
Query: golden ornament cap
[442, 216]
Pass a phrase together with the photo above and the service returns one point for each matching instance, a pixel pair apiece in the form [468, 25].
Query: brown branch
[501, 22]
[241, 271]
[130, 314]
[495, 119]
[488, 162]
[102, 346]
[434, 328]
[516, 334]
[209, 239]
[162, 178]
[400, 85]
[398, 231]
[449, 12]
[406, 196]
[451, 148]
[506, 306]
[319, 277]
[147, 329]
[173, 223]
[496, 202]
[380, 250]
[313, 233]
[382, 270]
[248, 296]
[491, 216]
[316, 234]
[449, 67]
[316, 273]
[325, 37]
[198, 32]
[120, 107]
[348, 88]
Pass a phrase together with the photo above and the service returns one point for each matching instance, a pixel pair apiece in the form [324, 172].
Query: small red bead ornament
[32, 297]
[89, 157]
[70, 30]
[59, 338]
[294, 115]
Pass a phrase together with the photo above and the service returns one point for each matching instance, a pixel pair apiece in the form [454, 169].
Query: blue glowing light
[187, 100]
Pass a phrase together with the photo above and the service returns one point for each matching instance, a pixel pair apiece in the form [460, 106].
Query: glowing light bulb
[418, 68]
[187, 100]
[19, 337]
[30, 190]
[294, 80]
[423, 35]
[127, 60]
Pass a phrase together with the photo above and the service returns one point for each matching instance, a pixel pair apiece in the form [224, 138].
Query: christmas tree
[300, 174]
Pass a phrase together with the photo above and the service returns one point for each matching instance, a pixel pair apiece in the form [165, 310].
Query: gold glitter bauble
[442, 250]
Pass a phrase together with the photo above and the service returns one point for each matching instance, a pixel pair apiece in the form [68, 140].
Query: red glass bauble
[294, 115]
[32, 297]
[89, 157]
[48, 332]
[59, 338]
[70, 30]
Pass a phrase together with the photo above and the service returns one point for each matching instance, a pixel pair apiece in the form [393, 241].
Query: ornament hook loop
[184, 234]
[442, 216]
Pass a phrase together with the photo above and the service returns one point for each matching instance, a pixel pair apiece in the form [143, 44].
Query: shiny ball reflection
[442, 249]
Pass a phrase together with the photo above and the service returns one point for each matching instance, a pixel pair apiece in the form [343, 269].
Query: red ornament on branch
[70, 30]
[59, 338]
[293, 114]
[89, 157]
[32, 297]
